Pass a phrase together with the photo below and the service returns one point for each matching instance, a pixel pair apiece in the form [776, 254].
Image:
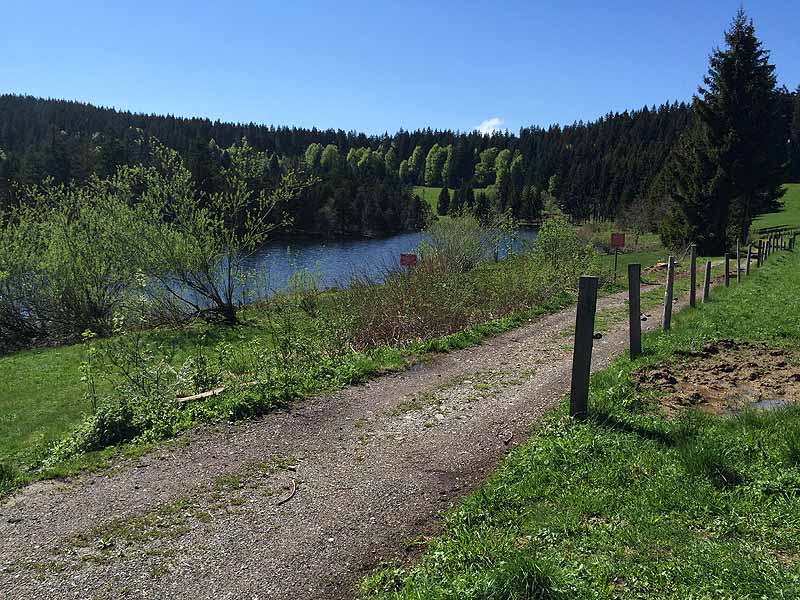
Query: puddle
[770, 404]
[725, 377]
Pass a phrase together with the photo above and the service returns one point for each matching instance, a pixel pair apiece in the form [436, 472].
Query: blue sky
[377, 66]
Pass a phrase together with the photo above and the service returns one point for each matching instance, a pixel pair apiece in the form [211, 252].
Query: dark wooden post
[749, 257]
[738, 264]
[582, 351]
[634, 308]
[707, 283]
[760, 261]
[693, 276]
[667, 320]
[727, 269]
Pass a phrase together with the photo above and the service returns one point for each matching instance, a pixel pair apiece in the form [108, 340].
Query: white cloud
[490, 126]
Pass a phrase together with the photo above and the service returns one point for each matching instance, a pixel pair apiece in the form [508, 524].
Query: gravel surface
[371, 468]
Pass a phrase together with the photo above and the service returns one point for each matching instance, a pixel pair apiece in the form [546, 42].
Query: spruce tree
[729, 165]
[443, 207]
[794, 136]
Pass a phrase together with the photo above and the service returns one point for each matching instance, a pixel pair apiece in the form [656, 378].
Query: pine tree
[728, 166]
[443, 206]
[794, 136]
[456, 202]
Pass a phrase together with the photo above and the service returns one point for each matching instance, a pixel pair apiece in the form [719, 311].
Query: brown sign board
[408, 260]
[617, 240]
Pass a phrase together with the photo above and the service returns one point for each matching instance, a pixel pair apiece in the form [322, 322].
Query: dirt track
[373, 465]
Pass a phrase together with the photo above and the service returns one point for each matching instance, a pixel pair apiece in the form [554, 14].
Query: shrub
[561, 257]
[459, 242]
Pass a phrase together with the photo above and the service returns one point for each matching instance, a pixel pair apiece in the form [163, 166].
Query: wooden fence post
[635, 309]
[749, 257]
[760, 261]
[738, 264]
[693, 276]
[707, 283]
[667, 321]
[727, 269]
[582, 351]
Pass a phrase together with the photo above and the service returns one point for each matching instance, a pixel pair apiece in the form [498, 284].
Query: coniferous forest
[595, 170]
[640, 162]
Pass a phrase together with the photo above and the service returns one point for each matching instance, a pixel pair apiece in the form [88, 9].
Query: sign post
[617, 242]
[408, 260]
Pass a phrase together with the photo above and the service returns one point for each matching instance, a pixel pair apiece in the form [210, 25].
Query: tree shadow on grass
[608, 420]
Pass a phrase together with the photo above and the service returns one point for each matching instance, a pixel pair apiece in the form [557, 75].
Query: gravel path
[371, 468]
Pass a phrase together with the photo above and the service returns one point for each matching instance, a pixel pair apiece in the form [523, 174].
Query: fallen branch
[291, 494]
[201, 395]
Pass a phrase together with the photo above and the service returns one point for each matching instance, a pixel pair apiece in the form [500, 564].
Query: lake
[334, 262]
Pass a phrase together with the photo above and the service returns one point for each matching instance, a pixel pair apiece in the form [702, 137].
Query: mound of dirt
[725, 377]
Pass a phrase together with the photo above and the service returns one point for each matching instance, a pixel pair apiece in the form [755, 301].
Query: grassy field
[42, 395]
[631, 504]
[430, 194]
[788, 216]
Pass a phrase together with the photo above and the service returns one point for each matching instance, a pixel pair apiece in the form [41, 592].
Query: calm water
[335, 262]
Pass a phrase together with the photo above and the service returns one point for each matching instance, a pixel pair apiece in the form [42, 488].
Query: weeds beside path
[372, 467]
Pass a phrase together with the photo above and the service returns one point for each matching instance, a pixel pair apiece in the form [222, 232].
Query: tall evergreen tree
[729, 165]
[794, 136]
[443, 205]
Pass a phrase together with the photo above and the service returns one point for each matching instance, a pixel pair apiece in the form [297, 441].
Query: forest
[598, 170]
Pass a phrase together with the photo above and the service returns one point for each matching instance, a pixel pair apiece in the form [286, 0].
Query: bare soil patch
[725, 377]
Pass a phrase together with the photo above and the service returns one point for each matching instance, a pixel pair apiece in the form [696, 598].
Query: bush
[453, 287]
[561, 257]
[65, 266]
[459, 242]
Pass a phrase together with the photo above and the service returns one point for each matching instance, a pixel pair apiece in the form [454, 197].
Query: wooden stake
[635, 309]
[727, 269]
[693, 276]
[738, 264]
[582, 351]
[749, 256]
[667, 321]
[707, 283]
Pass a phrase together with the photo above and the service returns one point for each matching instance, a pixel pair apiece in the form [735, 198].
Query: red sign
[617, 240]
[408, 260]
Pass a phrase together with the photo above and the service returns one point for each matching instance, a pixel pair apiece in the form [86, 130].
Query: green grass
[789, 214]
[42, 395]
[430, 194]
[630, 504]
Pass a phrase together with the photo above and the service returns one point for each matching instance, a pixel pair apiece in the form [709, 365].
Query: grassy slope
[788, 216]
[630, 504]
[430, 194]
